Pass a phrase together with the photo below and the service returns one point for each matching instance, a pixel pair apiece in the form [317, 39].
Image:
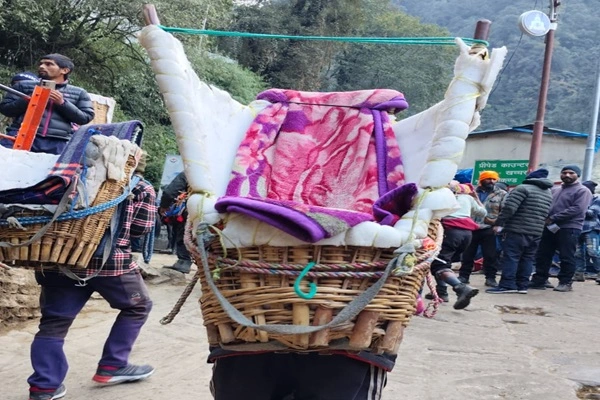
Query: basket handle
[347, 313]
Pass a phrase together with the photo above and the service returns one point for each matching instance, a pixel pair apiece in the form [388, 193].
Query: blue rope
[148, 245]
[148, 241]
[77, 214]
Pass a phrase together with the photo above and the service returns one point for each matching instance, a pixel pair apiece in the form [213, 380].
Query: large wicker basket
[259, 282]
[69, 243]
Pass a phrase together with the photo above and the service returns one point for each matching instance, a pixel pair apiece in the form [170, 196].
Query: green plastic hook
[313, 287]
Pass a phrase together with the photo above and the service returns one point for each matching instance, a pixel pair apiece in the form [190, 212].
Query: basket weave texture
[69, 243]
[259, 282]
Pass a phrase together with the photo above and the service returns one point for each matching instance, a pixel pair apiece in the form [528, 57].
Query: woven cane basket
[103, 109]
[100, 113]
[259, 282]
[71, 242]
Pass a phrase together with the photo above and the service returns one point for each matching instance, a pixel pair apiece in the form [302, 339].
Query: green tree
[514, 99]
[99, 35]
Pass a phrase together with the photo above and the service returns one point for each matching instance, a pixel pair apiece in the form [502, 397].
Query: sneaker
[443, 296]
[465, 293]
[498, 290]
[522, 291]
[43, 395]
[578, 277]
[491, 282]
[590, 276]
[548, 285]
[464, 280]
[130, 373]
[563, 287]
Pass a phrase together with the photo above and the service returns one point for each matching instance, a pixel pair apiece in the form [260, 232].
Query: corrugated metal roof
[529, 129]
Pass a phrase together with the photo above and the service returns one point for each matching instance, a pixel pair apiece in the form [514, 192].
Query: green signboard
[512, 172]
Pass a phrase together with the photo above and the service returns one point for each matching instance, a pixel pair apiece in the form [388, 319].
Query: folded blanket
[313, 164]
[67, 167]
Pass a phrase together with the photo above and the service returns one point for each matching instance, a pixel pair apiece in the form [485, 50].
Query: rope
[148, 244]
[182, 299]
[187, 239]
[432, 307]
[71, 214]
[420, 41]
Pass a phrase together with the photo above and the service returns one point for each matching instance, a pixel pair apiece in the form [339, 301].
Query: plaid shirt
[138, 219]
[493, 205]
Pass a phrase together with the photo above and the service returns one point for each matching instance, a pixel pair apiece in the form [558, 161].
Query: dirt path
[503, 347]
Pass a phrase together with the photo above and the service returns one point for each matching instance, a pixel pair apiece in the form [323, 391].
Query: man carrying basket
[119, 282]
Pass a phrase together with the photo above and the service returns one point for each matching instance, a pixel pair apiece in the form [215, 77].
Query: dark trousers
[275, 376]
[486, 238]
[518, 256]
[61, 300]
[565, 241]
[454, 244]
[180, 249]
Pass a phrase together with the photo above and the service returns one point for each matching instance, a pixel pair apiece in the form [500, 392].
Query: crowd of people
[522, 234]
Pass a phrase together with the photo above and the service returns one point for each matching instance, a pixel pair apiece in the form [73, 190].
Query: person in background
[68, 105]
[173, 212]
[66, 291]
[521, 223]
[137, 243]
[492, 199]
[570, 202]
[23, 76]
[457, 236]
[588, 246]
[503, 186]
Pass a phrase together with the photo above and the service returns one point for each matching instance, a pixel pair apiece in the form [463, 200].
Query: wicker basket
[259, 282]
[71, 242]
[103, 109]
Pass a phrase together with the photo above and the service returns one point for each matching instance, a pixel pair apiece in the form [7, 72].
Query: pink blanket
[314, 164]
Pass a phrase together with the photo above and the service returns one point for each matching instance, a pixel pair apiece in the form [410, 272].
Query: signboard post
[512, 172]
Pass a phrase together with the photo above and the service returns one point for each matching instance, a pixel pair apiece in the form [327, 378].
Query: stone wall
[19, 295]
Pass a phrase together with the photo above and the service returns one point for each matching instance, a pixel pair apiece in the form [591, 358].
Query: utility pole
[538, 126]
[590, 148]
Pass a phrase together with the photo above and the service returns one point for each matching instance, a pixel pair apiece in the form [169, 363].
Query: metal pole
[538, 126]
[15, 92]
[590, 148]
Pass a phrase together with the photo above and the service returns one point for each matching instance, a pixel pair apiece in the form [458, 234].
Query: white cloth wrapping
[21, 169]
[210, 125]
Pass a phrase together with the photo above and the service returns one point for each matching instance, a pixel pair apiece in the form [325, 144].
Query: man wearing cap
[68, 105]
[492, 198]
[589, 240]
[521, 223]
[570, 202]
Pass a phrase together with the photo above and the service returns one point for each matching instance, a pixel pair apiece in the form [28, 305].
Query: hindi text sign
[512, 172]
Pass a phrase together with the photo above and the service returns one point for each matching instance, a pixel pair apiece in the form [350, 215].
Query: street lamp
[538, 126]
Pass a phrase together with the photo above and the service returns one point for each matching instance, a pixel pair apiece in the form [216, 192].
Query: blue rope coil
[77, 214]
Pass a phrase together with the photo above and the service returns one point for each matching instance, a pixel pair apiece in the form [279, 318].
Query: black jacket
[77, 108]
[526, 208]
[170, 193]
